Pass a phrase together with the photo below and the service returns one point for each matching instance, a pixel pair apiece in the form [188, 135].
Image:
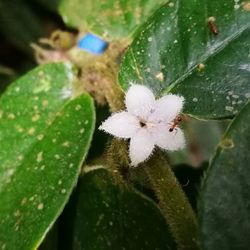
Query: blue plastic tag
[92, 44]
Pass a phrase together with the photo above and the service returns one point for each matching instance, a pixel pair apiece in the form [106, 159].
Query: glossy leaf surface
[45, 133]
[225, 199]
[177, 51]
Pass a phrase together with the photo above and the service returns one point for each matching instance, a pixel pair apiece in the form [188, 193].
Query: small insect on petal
[176, 122]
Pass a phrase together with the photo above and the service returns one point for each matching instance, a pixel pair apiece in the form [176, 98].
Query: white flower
[147, 122]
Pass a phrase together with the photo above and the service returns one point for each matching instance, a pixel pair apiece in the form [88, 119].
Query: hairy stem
[117, 159]
[173, 202]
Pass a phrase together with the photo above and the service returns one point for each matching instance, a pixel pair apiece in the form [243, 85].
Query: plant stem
[117, 159]
[173, 202]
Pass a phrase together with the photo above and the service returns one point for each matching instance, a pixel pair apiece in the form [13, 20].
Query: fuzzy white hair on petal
[121, 125]
[140, 148]
[167, 108]
[140, 101]
[177, 140]
[170, 141]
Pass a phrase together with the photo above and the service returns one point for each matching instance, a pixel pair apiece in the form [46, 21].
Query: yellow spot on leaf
[57, 156]
[11, 116]
[20, 129]
[63, 191]
[66, 144]
[227, 143]
[20, 157]
[201, 67]
[45, 103]
[160, 76]
[39, 157]
[35, 117]
[40, 206]
[44, 86]
[40, 137]
[24, 200]
[78, 107]
[17, 213]
[31, 131]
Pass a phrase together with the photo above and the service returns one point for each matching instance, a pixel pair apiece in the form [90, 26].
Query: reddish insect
[212, 25]
[175, 123]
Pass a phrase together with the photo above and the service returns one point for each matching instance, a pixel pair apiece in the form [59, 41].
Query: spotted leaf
[45, 133]
[177, 50]
[111, 19]
[224, 205]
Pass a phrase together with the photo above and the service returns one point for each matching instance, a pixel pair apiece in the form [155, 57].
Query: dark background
[23, 22]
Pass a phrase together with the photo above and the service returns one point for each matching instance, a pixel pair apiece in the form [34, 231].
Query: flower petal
[167, 108]
[122, 125]
[141, 146]
[140, 101]
[169, 140]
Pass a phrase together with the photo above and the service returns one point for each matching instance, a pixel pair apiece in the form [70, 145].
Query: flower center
[143, 124]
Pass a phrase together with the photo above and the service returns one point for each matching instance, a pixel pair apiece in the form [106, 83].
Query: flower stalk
[173, 202]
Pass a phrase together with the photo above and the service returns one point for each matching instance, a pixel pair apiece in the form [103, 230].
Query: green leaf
[169, 48]
[225, 198]
[112, 19]
[45, 133]
[111, 216]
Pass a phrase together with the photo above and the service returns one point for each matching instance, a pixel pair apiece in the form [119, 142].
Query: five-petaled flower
[147, 122]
